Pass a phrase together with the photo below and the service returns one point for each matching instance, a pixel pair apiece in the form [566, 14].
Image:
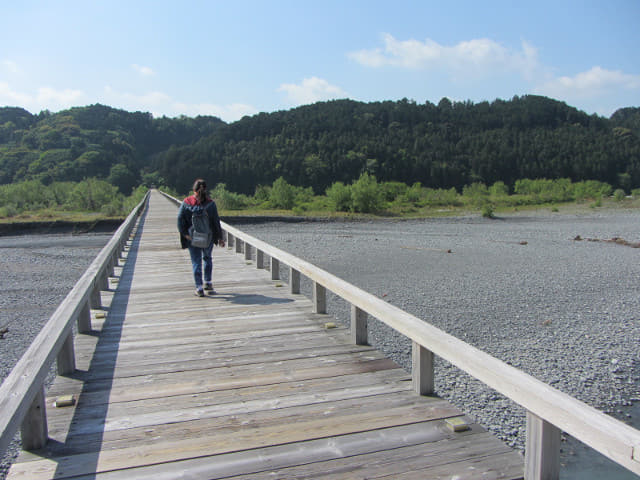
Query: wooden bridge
[252, 383]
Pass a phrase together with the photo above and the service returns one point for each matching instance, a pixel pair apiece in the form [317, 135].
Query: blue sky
[236, 58]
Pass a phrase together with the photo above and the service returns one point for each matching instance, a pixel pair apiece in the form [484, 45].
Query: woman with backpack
[199, 227]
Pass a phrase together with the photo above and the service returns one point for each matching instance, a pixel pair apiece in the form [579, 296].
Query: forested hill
[450, 144]
[95, 141]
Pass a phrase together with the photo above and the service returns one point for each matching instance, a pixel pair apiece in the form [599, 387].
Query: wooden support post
[103, 280]
[259, 258]
[542, 450]
[247, 251]
[275, 269]
[84, 319]
[422, 369]
[34, 431]
[239, 245]
[96, 298]
[319, 298]
[230, 240]
[358, 326]
[66, 360]
[294, 280]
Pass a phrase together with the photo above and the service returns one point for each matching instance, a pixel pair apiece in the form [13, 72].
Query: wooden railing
[22, 393]
[549, 411]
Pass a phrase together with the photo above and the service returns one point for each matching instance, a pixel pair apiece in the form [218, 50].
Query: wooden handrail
[22, 392]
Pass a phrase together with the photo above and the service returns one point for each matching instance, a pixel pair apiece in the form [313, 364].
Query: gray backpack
[200, 230]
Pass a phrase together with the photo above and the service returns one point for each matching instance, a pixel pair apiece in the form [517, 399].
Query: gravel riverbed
[520, 287]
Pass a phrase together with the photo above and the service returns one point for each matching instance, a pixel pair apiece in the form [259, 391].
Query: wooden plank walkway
[246, 383]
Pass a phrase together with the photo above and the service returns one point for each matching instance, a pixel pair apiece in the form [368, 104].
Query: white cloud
[145, 71]
[160, 104]
[44, 98]
[311, 90]
[590, 84]
[471, 57]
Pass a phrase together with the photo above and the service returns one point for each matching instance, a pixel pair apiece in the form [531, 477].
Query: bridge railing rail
[22, 393]
[549, 411]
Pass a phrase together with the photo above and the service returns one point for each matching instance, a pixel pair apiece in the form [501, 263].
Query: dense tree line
[448, 145]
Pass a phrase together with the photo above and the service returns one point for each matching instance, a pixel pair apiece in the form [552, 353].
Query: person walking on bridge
[199, 227]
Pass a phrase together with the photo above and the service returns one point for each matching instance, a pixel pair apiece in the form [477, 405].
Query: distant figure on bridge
[199, 212]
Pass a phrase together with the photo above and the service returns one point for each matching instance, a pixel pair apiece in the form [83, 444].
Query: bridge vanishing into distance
[256, 381]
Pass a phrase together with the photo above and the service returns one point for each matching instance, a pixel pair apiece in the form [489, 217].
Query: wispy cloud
[593, 83]
[145, 71]
[471, 57]
[311, 90]
[160, 104]
[43, 98]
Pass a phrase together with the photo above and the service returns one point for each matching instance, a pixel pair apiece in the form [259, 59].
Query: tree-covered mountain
[450, 144]
[95, 141]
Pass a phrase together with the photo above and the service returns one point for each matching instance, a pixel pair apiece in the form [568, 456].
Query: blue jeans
[198, 255]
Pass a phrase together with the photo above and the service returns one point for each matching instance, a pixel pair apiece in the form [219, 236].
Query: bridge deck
[245, 384]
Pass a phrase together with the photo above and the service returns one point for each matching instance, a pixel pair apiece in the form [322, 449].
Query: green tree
[122, 177]
[365, 195]
[282, 194]
[339, 196]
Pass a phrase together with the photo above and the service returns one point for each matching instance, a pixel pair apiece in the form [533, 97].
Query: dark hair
[200, 189]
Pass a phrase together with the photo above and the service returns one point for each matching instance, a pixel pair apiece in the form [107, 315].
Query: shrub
[228, 200]
[365, 194]
[487, 211]
[282, 194]
[339, 196]
[619, 195]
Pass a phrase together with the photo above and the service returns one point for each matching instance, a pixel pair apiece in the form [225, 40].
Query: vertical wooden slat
[319, 298]
[34, 431]
[259, 258]
[230, 240]
[358, 326]
[275, 269]
[294, 280]
[542, 450]
[247, 251]
[66, 359]
[422, 369]
[239, 244]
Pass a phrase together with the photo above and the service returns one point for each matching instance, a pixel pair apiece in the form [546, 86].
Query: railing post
[34, 431]
[239, 245]
[294, 280]
[84, 319]
[96, 298]
[421, 369]
[66, 359]
[103, 279]
[358, 326]
[247, 251]
[230, 240]
[259, 258]
[275, 269]
[542, 450]
[319, 298]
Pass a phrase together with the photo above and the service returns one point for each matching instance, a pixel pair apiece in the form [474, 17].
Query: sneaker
[208, 286]
[199, 292]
